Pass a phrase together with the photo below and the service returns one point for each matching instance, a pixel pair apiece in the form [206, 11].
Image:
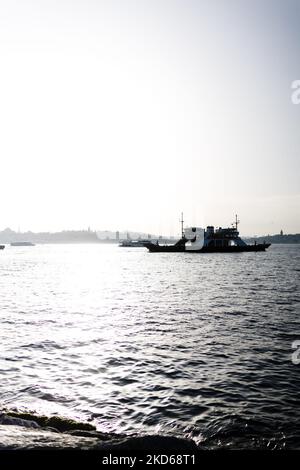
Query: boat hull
[228, 249]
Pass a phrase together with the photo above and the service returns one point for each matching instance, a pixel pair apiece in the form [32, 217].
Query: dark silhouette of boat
[22, 244]
[133, 243]
[211, 240]
[2, 247]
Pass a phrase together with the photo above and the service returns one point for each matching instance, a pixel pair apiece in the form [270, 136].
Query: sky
[121, 114]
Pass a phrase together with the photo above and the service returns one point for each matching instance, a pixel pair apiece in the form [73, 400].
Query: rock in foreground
[17, 433]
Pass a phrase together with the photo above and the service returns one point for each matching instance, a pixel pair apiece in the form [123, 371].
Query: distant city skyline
[116, 235]
[123, 114]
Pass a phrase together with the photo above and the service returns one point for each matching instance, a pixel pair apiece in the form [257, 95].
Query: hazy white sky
[120, 114]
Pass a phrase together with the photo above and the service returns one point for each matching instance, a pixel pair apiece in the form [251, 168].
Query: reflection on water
[191, 344]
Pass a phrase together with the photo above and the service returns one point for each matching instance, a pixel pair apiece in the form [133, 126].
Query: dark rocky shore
[26, 431]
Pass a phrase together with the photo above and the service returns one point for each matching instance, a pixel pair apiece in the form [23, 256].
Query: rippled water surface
[198, 345]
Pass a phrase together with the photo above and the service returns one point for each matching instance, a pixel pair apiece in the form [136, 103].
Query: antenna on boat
[236, 222]
[181, 221]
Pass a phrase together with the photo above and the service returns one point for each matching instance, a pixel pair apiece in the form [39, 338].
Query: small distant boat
[22, 244]
[211, 240]
[133, 243]
[2, 247]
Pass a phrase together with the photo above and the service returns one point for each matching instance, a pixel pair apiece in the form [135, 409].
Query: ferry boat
[22, 244]
[211, 240]
[133, 243]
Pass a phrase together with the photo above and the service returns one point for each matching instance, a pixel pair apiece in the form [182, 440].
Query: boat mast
[236, 222]
[182, 231]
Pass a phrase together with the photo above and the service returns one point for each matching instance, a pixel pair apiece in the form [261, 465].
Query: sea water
[194, 345]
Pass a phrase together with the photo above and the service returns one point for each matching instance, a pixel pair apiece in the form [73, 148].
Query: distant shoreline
[290, 239]
[8, 236]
